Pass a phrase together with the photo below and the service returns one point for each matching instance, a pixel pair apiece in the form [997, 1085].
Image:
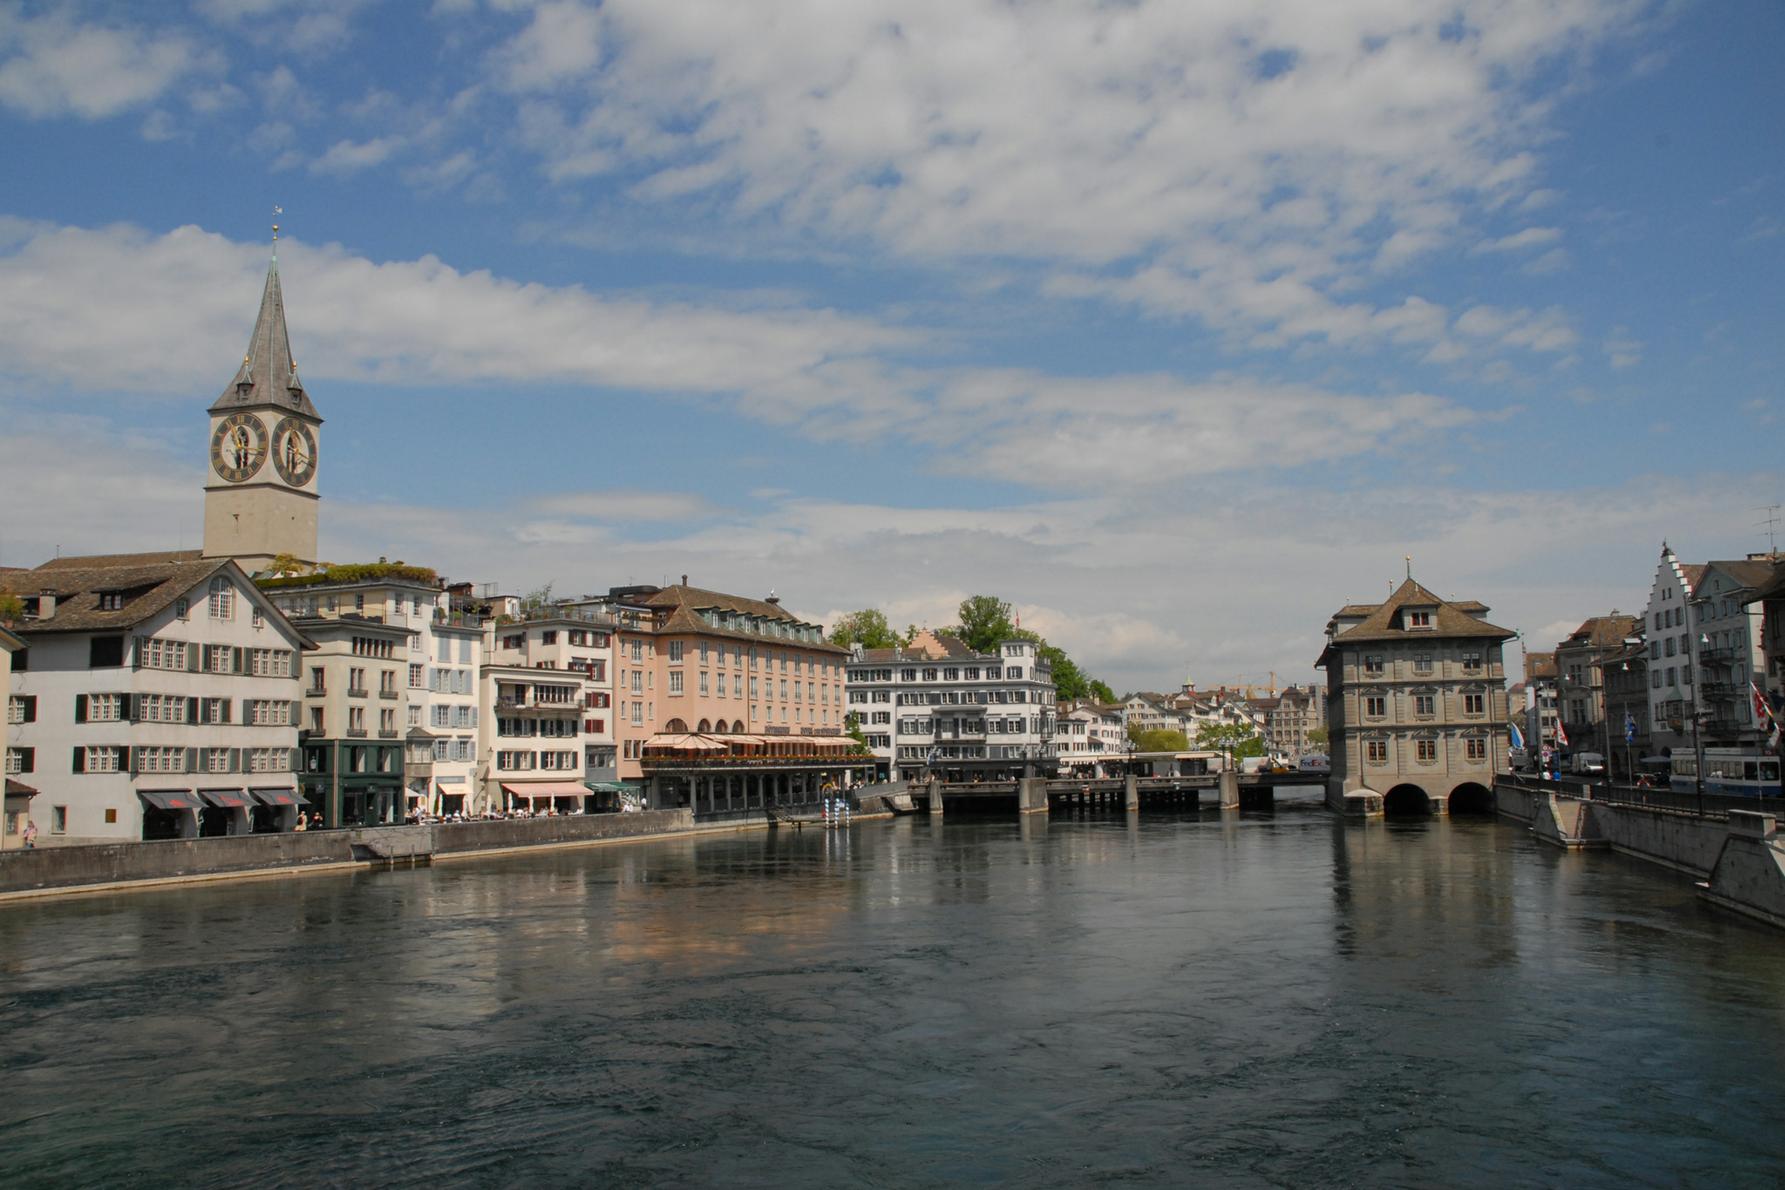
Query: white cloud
[561, 42]
[54, 66]
[1521, 241]
[119, 310]
[345, 156]
[1141, 150]
[1533, 330]
[1622, 350]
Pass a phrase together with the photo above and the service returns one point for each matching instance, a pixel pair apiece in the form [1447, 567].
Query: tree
[537, 600]
[1235, 739]
[1099, 690]
[1070, 682]
[867, 628]
[852, 727]
[1317, 736]
[1158, 739]
[985, 623]
[12, 609]
[285, 564]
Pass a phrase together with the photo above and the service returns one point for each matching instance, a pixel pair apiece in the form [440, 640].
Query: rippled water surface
[1197, 999]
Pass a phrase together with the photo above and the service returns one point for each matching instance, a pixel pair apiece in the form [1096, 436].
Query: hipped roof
[1448, 619]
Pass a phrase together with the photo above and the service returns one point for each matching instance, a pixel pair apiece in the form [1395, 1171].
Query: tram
[1731, 772]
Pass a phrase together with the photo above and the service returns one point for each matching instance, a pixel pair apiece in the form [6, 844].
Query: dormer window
[1419, 619]
[111, 601]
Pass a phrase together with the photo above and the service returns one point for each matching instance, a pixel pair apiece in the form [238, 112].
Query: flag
[1763, 712]
[1629, 728]
[1561, 735]
[1518, 737]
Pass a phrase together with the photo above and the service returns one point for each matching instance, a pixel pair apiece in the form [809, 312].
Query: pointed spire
[268, 375]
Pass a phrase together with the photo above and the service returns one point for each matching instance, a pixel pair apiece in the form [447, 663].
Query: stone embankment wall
[121, 865]
[1738, 864]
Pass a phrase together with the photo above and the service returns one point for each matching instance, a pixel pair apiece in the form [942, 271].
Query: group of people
[312, 822]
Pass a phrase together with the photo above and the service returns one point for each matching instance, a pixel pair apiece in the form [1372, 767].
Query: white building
[157, 698]
[939, 704]
[440, 657]
[547, 692]
[1089, 734]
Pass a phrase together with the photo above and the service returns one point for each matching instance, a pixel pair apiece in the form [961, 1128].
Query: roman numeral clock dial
[294, 451]
[238, 447]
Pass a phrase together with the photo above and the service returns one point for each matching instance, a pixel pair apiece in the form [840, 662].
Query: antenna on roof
[1772, 526]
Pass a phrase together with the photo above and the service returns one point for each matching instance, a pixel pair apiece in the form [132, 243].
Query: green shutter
[124, 758]
[128, 706]
[79, 763]
[80, 708]
[194, 658]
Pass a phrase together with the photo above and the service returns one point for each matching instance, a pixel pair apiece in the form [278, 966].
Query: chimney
[46, 604]
[684, 580]
[774, 598]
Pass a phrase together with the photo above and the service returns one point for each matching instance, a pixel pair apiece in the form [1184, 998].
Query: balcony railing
[388, 694]
[356, 733]
[387, 733]
[358, 692]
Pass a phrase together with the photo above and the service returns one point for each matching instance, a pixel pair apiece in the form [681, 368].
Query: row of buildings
[1702, 664]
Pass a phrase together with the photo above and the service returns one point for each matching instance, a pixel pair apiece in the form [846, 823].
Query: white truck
[1587, 764]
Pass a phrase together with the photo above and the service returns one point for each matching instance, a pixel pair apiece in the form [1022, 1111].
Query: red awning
[228, 799]
[170, 799]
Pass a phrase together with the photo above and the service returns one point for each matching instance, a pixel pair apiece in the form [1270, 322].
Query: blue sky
[1176, 325]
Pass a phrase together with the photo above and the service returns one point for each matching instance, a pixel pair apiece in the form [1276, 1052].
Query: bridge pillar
[935, 798]
[1130, 792]
[1031, 795]
[1228, 785]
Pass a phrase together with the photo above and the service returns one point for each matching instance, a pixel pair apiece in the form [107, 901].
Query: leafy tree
[867, 628]
[1070, 682]
[537, 599]
[12, 608]
[852, 727]
[1317, 736]
[284, 564]
[1099, 690]
[1235, 739]
[1251, 746]
[985, 622]
[1158, 739]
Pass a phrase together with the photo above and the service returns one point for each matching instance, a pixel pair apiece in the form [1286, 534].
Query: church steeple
[268, 375]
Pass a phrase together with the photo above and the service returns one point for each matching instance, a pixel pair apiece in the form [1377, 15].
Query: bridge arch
[1407, 800]
[1471, 797]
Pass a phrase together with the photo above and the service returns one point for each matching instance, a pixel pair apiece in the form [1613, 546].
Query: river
[1178, 999]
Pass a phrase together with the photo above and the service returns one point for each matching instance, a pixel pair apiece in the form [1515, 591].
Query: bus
[1731, 772]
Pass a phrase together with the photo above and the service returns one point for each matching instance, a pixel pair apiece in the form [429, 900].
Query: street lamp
[1697, 742]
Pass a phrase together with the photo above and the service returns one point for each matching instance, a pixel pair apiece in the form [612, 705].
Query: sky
[1176, 325]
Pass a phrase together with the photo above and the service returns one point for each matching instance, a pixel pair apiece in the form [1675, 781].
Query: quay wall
[110, 866]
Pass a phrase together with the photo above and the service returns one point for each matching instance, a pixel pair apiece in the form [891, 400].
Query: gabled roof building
[1416, 704]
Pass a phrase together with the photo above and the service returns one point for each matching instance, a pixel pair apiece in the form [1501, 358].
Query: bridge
[1030, 795]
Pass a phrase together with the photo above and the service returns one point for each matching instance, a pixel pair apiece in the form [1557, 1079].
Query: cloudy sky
[1176, 324]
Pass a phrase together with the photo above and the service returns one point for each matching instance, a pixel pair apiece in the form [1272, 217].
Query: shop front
[539, 797]
[170, 813]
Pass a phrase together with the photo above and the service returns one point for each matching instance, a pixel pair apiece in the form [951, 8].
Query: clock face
[238, 447]
[294, 451]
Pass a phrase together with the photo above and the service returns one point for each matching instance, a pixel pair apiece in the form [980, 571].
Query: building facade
[354, 714]
[157, 697]
[1729, 635]
[936, 705]
[1416, 703]
[575, 641]
[1580, 662]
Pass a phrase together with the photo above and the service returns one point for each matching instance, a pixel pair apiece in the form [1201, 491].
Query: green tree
[1070, 682]
[1317, 736]
[1099, 690]
[867, 628]
[1158, 739]
[852, 727]
[12, 609]
[1234, 739]
[537, 600]
[985, 622]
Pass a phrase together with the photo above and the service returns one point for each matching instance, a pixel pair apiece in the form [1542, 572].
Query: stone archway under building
[1407, 800]
[1471, 798]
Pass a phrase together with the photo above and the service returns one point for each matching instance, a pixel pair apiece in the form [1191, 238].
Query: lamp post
[1697, 714]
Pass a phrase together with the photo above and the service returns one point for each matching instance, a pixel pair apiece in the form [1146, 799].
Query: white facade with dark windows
[938, 706]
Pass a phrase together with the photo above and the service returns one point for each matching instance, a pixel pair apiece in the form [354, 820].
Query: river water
[1193, 999]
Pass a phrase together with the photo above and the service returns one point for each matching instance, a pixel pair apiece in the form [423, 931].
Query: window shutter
[235, 760]
[294, 758]
[126, 709]
[224, 705]
[194, 658]
[79, 763]
[192, 760]
[192, 710]
[124, 758]
[239, 660]
[136, 657]
[80, 708]
[297, 714]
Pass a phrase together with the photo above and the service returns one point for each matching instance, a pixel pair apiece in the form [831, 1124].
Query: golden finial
[277, 211]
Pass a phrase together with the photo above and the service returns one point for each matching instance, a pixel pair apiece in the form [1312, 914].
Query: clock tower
[261, 499]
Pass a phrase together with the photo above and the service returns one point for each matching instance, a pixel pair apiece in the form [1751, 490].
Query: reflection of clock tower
[261, 499]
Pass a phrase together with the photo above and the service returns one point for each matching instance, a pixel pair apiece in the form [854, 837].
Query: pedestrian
[302, 822]
[30, 835]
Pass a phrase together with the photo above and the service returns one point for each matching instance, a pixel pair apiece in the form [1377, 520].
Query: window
[182, 609]
[1376, 751]
[416, 676]
[219, 659]
[675, 681]
[1375, 705]
[1419, 619]
[222, 601]
[703, 682]
[1474, 704]
[1476, 749]
[1422, 663]
[1425, 705]
[271, 663]
[1426, 750]
[58, 820]
[549, 637]
[675, 652]
[21, 708]
[1373, 665]
[104, 652]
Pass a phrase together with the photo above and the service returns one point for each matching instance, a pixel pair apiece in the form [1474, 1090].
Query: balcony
[389, 694]
[387, 733]
[356, 733]
[358, 692]
[316, 691]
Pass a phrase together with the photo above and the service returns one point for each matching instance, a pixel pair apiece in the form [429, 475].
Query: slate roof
[685, 604]
[1539, 665]
[1601, 631]
[1448, 620]
[148, 587]
[1747, 572]
[268, 375]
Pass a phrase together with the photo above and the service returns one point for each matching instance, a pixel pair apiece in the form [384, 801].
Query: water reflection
[1194, 996]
